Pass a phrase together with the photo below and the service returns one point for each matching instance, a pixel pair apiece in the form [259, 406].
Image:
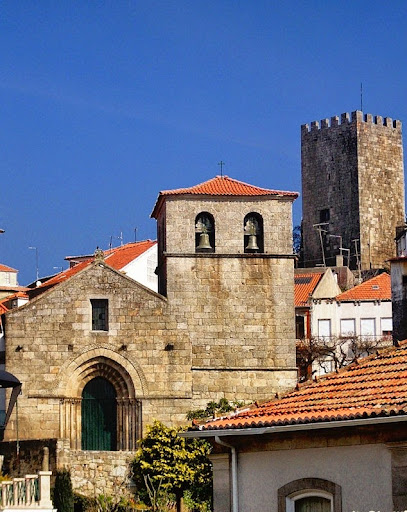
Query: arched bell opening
[253, 239]
[204, 232]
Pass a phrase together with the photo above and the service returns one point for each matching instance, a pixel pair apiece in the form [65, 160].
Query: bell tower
[225, 264]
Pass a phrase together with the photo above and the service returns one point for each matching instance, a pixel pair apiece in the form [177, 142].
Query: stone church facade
[221, 326]
[352, 189]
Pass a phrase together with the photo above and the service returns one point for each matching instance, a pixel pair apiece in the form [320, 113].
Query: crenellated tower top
[346, 119]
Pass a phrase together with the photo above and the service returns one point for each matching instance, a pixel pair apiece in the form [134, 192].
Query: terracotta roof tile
[375, 386]
[222, 186]
[304, 286]
[5, 268]
[122, 256]
[117, 258]
[377, 288]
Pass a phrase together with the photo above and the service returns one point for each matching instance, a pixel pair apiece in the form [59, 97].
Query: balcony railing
[30, 493]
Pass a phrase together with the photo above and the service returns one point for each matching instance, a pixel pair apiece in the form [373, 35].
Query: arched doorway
[99, 415]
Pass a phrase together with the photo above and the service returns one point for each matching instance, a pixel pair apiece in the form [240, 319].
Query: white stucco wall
[335, 311]
[363, 472]
[8, 279]
[142, 269]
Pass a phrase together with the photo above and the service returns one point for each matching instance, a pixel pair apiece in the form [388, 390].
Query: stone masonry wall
[56, 340]
[329, 181]
[229, 217]
[355, 169]
[239, 307]
[381, 188]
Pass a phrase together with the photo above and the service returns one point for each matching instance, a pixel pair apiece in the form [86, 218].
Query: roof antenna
[121, 238]
[111, 242]
[135, 235]
[221, 167]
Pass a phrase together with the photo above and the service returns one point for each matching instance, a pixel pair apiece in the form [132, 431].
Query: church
[100, 356]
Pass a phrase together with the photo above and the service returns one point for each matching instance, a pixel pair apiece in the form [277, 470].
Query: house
[337, 444]
[309, 287]
[221, 326]
[137, 260]
[364, 312]
[8, 281]
[398, 269]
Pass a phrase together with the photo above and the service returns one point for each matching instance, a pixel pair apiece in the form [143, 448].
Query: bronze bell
[204, 243]
[252, 244]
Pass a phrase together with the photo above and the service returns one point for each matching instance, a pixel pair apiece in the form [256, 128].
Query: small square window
[99, 314]
[324, 215]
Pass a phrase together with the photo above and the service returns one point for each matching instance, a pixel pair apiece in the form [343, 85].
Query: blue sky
[105, 103]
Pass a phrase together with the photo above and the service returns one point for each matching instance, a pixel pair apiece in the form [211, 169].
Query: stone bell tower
[352, 189]
[226, 266]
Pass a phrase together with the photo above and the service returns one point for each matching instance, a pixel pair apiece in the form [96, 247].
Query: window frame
[313, 493]
[307, 487]
[94, 306]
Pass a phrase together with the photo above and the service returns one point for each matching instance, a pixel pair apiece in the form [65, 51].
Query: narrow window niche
[99, 314]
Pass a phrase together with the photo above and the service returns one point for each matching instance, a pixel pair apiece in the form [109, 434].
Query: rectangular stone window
[99, 314]
[324, 215]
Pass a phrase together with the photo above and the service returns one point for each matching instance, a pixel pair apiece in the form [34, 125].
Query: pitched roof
[122, 256]
[304, 286]
[377, 288]
[5, 268]
[117, 258]
[376, 386]
[221, 186]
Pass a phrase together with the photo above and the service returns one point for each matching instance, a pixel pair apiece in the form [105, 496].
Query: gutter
[235, 494]
[218, 433]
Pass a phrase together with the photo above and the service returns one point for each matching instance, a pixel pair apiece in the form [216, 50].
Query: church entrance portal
[99, 415]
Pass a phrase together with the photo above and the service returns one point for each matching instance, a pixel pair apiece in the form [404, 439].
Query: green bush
[63, 498]
[166, 465]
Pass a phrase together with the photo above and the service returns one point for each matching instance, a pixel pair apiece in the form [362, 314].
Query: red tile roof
[117, 258]
[3, 308]
[304, 286]
[122, 256]
[5, 268]
[374, 386]
[222, 186]
[377, 288]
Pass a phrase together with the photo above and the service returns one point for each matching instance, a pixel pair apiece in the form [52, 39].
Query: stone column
[221, 482]
[44, 478]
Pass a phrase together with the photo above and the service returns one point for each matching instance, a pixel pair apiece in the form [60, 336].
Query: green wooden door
[99, 416]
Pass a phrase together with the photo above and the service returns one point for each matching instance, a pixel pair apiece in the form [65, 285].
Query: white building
[363, 311]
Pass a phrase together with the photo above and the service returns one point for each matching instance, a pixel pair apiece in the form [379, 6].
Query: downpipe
[235, 494]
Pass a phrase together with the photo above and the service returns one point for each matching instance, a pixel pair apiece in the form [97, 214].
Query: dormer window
[253, 233]
[204, 232]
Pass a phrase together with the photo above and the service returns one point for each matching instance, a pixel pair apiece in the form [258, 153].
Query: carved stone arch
[308, 486]
[128, 377]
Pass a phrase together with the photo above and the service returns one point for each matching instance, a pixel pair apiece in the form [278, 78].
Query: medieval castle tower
[352, 189]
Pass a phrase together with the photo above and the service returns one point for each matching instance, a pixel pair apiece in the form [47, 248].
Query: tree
[168, 465]
[325, 354]
[63, 494]
[297, 239]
